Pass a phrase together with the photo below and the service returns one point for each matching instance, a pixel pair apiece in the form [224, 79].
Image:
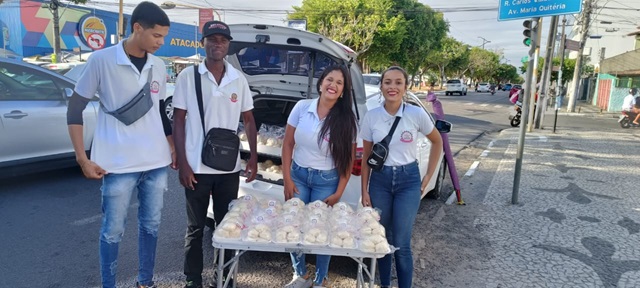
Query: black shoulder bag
[221, 146]
[380, 150]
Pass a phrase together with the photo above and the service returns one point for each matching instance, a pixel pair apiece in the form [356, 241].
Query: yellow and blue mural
[27, 30]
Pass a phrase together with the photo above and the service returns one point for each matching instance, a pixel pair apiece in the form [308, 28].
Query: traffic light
[529, 28]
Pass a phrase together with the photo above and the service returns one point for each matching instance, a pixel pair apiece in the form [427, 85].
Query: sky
[466, 27]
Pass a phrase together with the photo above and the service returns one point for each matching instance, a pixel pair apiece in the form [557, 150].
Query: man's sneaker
[299, 282]
[138, 285]
[192, 284]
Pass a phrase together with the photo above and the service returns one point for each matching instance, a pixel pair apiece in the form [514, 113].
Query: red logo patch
[155, 87]
[406, 137]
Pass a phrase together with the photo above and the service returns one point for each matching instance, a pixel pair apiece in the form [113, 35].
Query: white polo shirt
[222, 104]
[307, 152]
[403, 145]
[119, 148]
[628, 102]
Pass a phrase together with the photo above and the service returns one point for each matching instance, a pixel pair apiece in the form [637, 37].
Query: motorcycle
[493, 90]
[626, 119]
[515, 119]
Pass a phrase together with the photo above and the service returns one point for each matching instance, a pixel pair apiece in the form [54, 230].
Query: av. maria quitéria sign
[520, 9]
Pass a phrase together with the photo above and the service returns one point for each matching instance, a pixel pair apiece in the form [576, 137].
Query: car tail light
[357, 164]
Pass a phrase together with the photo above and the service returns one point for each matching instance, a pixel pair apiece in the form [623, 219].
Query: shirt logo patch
[234, 98]
[155, 87]
[406, 137]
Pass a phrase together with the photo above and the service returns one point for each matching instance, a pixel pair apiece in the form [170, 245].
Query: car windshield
[256, 60]
[453, 82]
[371, 79]
[484, 84]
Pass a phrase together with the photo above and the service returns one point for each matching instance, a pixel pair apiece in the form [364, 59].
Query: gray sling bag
[136, 107]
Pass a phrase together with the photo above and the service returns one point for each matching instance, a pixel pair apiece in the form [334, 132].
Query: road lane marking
[469, 103]
[87, 220]
[484, 153]
[491, 143]
[472, 169]
[452, 198]
[498, 106]
[484, 105]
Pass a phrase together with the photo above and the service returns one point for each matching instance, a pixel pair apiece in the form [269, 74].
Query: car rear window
[453, 82]
[256, 60]
[484, 84]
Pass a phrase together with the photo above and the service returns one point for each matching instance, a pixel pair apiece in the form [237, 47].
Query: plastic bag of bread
[228, 230]
[343, 238]
[288, 229]
[375, 244]
[315, 231]
[260, 232]
[318, 208]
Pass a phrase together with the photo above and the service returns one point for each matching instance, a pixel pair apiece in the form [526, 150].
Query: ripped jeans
[116, 197]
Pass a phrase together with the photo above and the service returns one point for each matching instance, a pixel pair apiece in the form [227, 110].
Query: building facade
[27, 30]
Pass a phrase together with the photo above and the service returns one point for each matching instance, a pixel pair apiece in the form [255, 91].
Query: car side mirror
[68, 92]
[443, 126]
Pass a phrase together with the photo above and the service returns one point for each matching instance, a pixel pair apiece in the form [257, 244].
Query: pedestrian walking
[317, 156]
[132, 144]
[214, 94]
[394, 185]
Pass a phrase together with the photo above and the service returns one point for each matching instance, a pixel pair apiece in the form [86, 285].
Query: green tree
[427, 29]
[350, 22]
[506, 73]
[482, 63]
[439, 59]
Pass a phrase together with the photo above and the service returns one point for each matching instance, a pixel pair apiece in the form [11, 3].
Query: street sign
[571, 45]
[524, 59]
[519, 9]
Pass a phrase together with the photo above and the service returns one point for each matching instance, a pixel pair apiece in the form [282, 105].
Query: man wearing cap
[226, 97]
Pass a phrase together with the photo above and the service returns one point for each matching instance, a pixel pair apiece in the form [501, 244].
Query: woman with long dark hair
[317, 155]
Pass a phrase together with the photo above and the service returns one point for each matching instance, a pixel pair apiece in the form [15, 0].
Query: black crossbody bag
[380, 150]
[221, 146]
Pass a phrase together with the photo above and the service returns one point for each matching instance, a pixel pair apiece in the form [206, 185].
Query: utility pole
[546, 72]
[120, 21]
[560, 89]
[532, 28]
[53, 7]
[534, 77]
[484, 41]
[577, 71]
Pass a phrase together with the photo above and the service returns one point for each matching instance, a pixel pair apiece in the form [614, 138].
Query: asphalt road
[49, 221]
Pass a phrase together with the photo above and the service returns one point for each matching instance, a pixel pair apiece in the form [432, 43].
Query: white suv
[282, 66]
[456, 86]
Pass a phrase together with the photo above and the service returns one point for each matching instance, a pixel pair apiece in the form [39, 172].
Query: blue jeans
[116, 196]
[396, 192]
[313, 185]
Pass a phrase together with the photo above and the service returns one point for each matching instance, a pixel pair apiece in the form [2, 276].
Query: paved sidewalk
[577, 223]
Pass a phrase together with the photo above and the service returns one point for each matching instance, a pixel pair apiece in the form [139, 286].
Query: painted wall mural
[27, 30]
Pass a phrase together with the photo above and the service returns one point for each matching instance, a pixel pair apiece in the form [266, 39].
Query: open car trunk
[270, 113]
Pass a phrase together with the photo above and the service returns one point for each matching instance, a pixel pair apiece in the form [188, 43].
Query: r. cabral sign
[92, 32]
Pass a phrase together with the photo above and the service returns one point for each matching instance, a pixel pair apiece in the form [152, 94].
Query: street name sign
[571, 45]
[520, 9]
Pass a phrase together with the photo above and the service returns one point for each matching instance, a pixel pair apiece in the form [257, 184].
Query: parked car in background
[506, 87]
[33, 121]
[456, 86]
[483, 87]
[372, 79]
[514, 89]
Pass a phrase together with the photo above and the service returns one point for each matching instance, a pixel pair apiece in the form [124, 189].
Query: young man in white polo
[127, 153]
[226, 97]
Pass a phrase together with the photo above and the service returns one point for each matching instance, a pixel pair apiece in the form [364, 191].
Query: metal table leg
[220, 268]
[372, 272]
[359, 278]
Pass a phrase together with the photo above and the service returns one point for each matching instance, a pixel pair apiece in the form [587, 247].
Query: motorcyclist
[629, 104]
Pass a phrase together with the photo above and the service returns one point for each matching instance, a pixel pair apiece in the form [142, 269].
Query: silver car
[33, 121]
